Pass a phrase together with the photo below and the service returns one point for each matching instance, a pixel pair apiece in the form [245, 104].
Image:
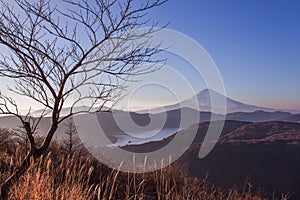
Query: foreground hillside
[265, 153]
[249, 158]
[61, 176]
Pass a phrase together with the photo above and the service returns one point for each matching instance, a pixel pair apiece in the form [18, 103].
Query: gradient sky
[255, 44]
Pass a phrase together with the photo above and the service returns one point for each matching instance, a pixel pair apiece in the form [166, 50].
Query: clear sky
[255, 44]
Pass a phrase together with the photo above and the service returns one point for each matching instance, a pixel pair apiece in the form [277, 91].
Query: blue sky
[255, 44]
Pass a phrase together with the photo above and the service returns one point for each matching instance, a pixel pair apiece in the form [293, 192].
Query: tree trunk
[19, 171]
[3, 193]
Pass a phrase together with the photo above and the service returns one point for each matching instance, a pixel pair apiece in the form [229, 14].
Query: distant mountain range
[259, 115]
[172, 119]
[204, 104]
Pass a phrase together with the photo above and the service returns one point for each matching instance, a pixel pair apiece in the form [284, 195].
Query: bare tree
[69, 54]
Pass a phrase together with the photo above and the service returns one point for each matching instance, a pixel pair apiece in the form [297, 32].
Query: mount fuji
[205, 104]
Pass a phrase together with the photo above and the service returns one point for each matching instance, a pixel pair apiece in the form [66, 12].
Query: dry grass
[73, 178]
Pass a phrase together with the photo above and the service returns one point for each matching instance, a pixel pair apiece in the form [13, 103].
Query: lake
[124, 139]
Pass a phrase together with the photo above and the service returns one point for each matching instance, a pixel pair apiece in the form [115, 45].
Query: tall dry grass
[73, 178]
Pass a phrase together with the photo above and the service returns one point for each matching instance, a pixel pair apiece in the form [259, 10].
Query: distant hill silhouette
[172, 119]
[258, 116]
[293, 118]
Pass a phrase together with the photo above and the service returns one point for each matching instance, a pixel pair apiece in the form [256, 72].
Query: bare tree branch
[82, 53]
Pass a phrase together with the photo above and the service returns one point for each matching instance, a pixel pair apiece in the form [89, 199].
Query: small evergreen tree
[71, 143]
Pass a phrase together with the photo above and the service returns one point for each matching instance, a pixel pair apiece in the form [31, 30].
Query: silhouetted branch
[63, 56]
